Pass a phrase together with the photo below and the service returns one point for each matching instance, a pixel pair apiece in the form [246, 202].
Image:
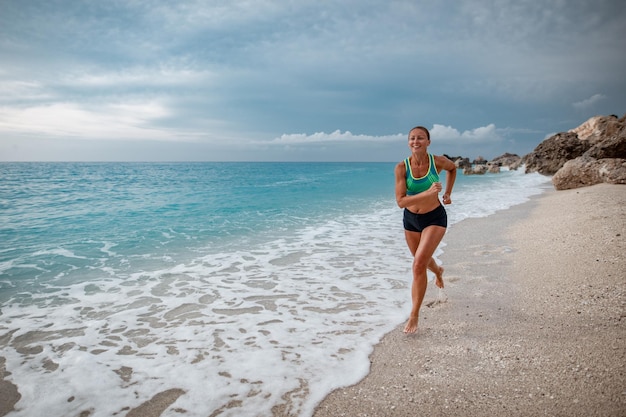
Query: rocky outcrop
[459, 161]
[493, 168]
[481, 166]
[612, 147]
[475, 170]
[554, 152]
[510, 160]
[598, 128]
[480, 161]
[592, 153]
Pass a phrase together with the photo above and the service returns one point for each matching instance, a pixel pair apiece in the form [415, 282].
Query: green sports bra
[418, 185]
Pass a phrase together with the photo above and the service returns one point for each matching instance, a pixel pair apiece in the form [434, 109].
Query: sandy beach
[534, 324]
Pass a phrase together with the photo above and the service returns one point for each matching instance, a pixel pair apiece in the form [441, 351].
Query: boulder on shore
[585, 171]
[592, 153]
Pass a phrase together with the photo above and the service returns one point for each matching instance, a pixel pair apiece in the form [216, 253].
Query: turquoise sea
[248, 286]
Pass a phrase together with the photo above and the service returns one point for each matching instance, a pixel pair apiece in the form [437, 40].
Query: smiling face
[419, 139]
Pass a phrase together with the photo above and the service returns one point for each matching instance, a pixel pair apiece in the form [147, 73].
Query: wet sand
[534, 324]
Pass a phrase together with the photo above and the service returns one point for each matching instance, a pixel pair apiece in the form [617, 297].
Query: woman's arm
[444, 164]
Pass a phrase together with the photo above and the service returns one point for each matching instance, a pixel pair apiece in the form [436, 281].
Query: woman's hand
[435, 188]
[446, 199]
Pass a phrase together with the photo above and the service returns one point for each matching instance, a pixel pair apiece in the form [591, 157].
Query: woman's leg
[437, 270]
[423, 245]
[413, 240]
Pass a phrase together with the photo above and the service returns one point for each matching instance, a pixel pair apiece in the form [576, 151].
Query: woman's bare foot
[411, 325]
[439, 278]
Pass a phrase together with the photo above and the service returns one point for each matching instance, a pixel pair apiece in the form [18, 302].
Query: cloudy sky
[300, 80]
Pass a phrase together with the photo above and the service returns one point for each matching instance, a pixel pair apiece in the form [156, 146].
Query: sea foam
[257, 322]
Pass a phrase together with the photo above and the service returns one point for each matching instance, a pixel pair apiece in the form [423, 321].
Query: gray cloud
[589, 102]
[269, 79]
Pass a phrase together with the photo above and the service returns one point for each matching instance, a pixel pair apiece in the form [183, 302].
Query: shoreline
[521, 334]
[534, 324]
